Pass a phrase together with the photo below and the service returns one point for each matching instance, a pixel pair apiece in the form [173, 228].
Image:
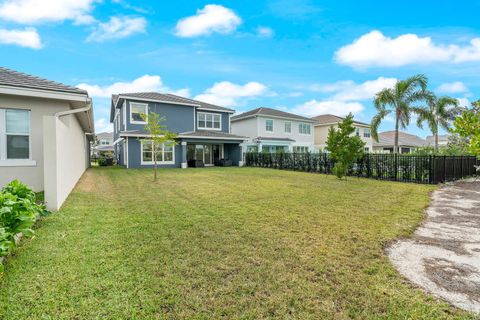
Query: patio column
[184, 154]
[240, 158]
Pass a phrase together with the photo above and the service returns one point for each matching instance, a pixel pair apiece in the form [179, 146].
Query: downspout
[88, 106]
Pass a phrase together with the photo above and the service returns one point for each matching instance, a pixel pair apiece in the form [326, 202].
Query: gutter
[88, 107]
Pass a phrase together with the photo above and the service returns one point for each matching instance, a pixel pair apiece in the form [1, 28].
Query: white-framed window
[104, 142]
[366, 149]
[304, 128]
[165, 153]
[136, 111]
[15, 134]
[366, 133]
[357, 132]
[288, 127]
[300, 149]
[209, 121]
[269, 125]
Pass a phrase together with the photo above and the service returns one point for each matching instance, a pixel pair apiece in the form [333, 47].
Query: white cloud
[38, 11]
[265, 32]
[464, 102]
[102, 125]
[27, 37]
[230, 94]
[212, 18]
[146, 83]
[376, 50]
[452, 87]
[348, 90]
[117, 28]
[339, 108]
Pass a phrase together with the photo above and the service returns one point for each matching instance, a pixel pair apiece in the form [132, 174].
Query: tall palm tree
[399, 100]
[439, 112]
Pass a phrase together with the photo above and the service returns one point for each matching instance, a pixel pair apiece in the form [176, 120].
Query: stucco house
[406, 142]
[325, 121]
[271, 130]
[45, 133]
[103, 143]
[203, 131]
[443, 140]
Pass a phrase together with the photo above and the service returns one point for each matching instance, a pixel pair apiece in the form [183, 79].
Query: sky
[302, 56]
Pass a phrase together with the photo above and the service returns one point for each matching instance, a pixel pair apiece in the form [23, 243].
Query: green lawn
[232, 243]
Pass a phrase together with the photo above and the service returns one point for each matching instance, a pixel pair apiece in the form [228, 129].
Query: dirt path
[443, 256]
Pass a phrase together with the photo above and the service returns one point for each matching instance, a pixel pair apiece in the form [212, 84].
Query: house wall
[321, 134]
[135, 157]
[279, 131]
[246, 128]
[33, 175]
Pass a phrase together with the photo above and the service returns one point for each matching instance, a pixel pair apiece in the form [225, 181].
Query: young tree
[438, 114]
[344, 146]
[468, 126]
[398, 100]
[159, 135]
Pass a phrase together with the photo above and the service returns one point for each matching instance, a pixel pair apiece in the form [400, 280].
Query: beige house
[325, 121]
[45, 133]
[406, 142]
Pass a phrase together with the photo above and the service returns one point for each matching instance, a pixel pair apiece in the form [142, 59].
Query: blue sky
[308, 57]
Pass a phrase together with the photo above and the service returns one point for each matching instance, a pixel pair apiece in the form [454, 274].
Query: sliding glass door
[208, 153]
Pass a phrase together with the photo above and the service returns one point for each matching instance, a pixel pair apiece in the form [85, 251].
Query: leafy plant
[468, 126]
[344, 146]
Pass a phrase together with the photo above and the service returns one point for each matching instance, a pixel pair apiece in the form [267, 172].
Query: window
[357, 132]
[366, 149]
[300, 149]
[252, 148]
[211, 121]
[136, 112]
[164, 153]
[269, 125]
[288, 127]
[15, 131]
[366, 133]
[304, 128]
[104, 142]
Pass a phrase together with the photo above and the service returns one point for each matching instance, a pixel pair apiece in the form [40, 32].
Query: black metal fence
[393, 167]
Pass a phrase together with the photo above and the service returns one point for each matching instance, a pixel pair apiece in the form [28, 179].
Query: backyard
[233, 243]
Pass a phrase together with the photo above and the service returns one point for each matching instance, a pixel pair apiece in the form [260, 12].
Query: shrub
[18, 213]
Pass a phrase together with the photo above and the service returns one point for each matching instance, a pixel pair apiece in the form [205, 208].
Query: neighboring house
[45, 133]
[271, 130]
[325, 121]
[203, 131]
[442, 140]
[406, 142]
[103, 143]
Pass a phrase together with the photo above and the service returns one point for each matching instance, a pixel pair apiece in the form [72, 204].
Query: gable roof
[269, 112]
[166, 98]
[330, 118]
[387, 138]
[17, 79]
[442, 138]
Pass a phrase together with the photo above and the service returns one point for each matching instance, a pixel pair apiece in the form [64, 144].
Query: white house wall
[279, 131]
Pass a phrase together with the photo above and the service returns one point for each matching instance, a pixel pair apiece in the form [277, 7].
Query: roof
[442, 138]
[273, 139]
[269, 112]
[211, 134]
[105, 135]
[387, 138]
[103, 148]
[330, 118]
[168, 98]
[13, 78]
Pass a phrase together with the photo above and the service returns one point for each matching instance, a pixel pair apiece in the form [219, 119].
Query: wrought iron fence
[393, 167]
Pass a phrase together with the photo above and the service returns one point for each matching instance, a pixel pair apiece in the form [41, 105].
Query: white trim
[273, 125]
[18, 163]
[336, 123]
[156, 100]
[128, 154]
[213, 122]
[117, 141]
[146, 113]
[39, 93]
[124, 115]
[4, 134]
[144, 135]
[309, 127]
[215, 110]
[276, 117]
[290, 122]
[162, 151]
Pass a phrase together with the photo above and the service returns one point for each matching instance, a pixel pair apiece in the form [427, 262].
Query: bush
[339, 170]
[18, 213]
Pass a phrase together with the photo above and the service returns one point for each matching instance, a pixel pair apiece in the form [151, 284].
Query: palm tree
[438, 114]
[398, 100]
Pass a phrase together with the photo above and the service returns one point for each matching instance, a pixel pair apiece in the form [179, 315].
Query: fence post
[396, 166]
[432, 171]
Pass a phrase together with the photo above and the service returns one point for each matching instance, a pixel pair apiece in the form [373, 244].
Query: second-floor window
[366, 133]
[357, 132]
[15, 131]
[210, 121]
[269, 125]
[288, 127]
[303, 128]
[136, 112]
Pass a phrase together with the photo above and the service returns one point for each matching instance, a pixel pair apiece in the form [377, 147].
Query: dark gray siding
[233, 152]
[179, 118]
[135, 160]
[225, 120]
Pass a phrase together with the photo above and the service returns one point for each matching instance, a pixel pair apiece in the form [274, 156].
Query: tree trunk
[154, 161]
[395, 147]
[436, 142]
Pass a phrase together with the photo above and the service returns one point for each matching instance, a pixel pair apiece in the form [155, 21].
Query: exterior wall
[33, 175]
[279, 132]
[247, 128]
[321, 134]
[135, 157]
[225, 120]
[66, 157]
[234, 153]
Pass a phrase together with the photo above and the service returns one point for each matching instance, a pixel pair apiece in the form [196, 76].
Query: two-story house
[203, 131]
[103, 143]
[325, 121]
[271, 130]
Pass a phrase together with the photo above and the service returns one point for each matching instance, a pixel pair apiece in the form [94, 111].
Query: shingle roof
[330, 118]
[212, 134]
[269, 112]
[168, 97]
[387, 138]
[442, 138]
[13, 78]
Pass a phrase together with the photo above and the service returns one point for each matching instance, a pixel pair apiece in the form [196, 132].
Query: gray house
[203, 131]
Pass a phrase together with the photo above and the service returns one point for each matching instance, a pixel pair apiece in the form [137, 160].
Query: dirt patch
[443, 256]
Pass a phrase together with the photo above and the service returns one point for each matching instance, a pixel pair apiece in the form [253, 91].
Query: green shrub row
[18, 213]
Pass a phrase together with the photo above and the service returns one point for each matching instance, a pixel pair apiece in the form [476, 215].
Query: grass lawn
[232, 243]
